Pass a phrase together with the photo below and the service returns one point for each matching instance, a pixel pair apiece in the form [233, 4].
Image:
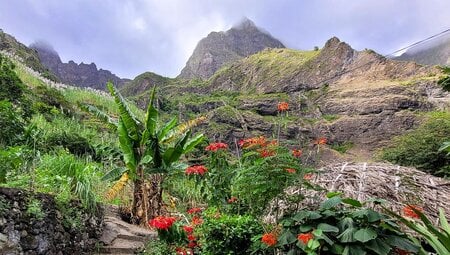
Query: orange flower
[297, 153]
[283, 106]
[188, 229]
[196, 221]
[409, 212]
[321, 141]
[290, 170]
[270, 239]
[254, 141]
[308, 176]
[305, 237]
[267, 153]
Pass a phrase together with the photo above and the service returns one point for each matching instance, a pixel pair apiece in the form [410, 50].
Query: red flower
[196, 221]
[216, 146]
[197, 169]
[183, 251]
[297, 153]
[266, 153]
[308, 176]
[191, 237]
[291, 170]
[321, 141]
[305, 237]
[162, 222]
[283, 106]
[188, 229]
[194, 210]
[409, 212]
[270, 239]
[192, 244]
[232, 200]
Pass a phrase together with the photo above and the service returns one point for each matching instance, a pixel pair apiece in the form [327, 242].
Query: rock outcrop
[81, 75]
[220, 48]
[35, 224]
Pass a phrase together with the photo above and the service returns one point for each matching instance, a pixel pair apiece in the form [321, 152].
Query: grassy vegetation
[420, 147]
[342, 147]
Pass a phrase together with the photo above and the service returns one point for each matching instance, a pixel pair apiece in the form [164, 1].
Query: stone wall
[38, 224]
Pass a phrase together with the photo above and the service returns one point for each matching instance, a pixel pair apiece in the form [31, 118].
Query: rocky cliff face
[436, 54]
[29, 56]
[82, 75]
[220, 48]
[350, 97]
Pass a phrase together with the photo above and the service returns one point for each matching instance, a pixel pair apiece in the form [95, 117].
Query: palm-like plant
[149, 151]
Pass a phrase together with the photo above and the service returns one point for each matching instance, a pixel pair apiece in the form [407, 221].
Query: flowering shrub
[270, 239]
[162, 222]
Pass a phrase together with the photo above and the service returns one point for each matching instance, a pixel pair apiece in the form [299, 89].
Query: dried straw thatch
[398, 185]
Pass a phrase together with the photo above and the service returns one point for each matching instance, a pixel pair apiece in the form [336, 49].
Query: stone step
[135, 238]
[116, 250]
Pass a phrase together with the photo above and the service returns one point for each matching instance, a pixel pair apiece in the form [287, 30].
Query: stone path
[121, 238]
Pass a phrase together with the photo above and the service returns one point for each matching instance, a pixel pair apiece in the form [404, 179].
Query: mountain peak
[218, 49]
[245, 24]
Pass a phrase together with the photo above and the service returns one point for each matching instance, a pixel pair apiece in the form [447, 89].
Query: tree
[149, 152]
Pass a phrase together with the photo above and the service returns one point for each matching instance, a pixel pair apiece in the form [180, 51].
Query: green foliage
[12, 159]
[73, 142]
[224, 234]
[12, 124]
[11, 87]
[445, 81]
[4, 205]
[437, 237]
[71, 215]
[157, 247]
[259, 180]
[330, 117]
[342, 226]
[420, 147]
[34, 209]
[342, 147]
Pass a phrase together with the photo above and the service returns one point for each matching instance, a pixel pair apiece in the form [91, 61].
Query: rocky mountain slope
[437, 53]
[348, 96]
[81, 75]
[30, 56]
[220, 48]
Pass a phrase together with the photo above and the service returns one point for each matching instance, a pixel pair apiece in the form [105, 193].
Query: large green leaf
[287, 238]
[378, 246]
[348, 235]
[126, 144]
[331, 203]
[129, 121]
[365, 234]
[327, 228]
[99, 114]
[173, 154]
[401, 243]
[151, 120]
[114, 174]
[352, 202]
[167, 128]
[190, 145]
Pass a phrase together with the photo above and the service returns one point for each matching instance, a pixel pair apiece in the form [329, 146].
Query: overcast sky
[130, 37]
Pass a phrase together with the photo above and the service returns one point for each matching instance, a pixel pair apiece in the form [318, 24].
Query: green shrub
[11, 123]
[11, 160]
[11, 87]
[340, 226]
[420, 147]
[34, 209]
[74, 143]
[227, 234]
[342, 147]
[156, 247]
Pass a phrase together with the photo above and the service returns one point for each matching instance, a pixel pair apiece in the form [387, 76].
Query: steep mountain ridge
[82, 75]
[437, 53]
[220, 48]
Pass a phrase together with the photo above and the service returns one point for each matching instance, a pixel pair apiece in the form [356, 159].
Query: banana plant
[150, 150]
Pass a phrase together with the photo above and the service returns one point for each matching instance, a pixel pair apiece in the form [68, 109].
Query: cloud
[129, 37]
